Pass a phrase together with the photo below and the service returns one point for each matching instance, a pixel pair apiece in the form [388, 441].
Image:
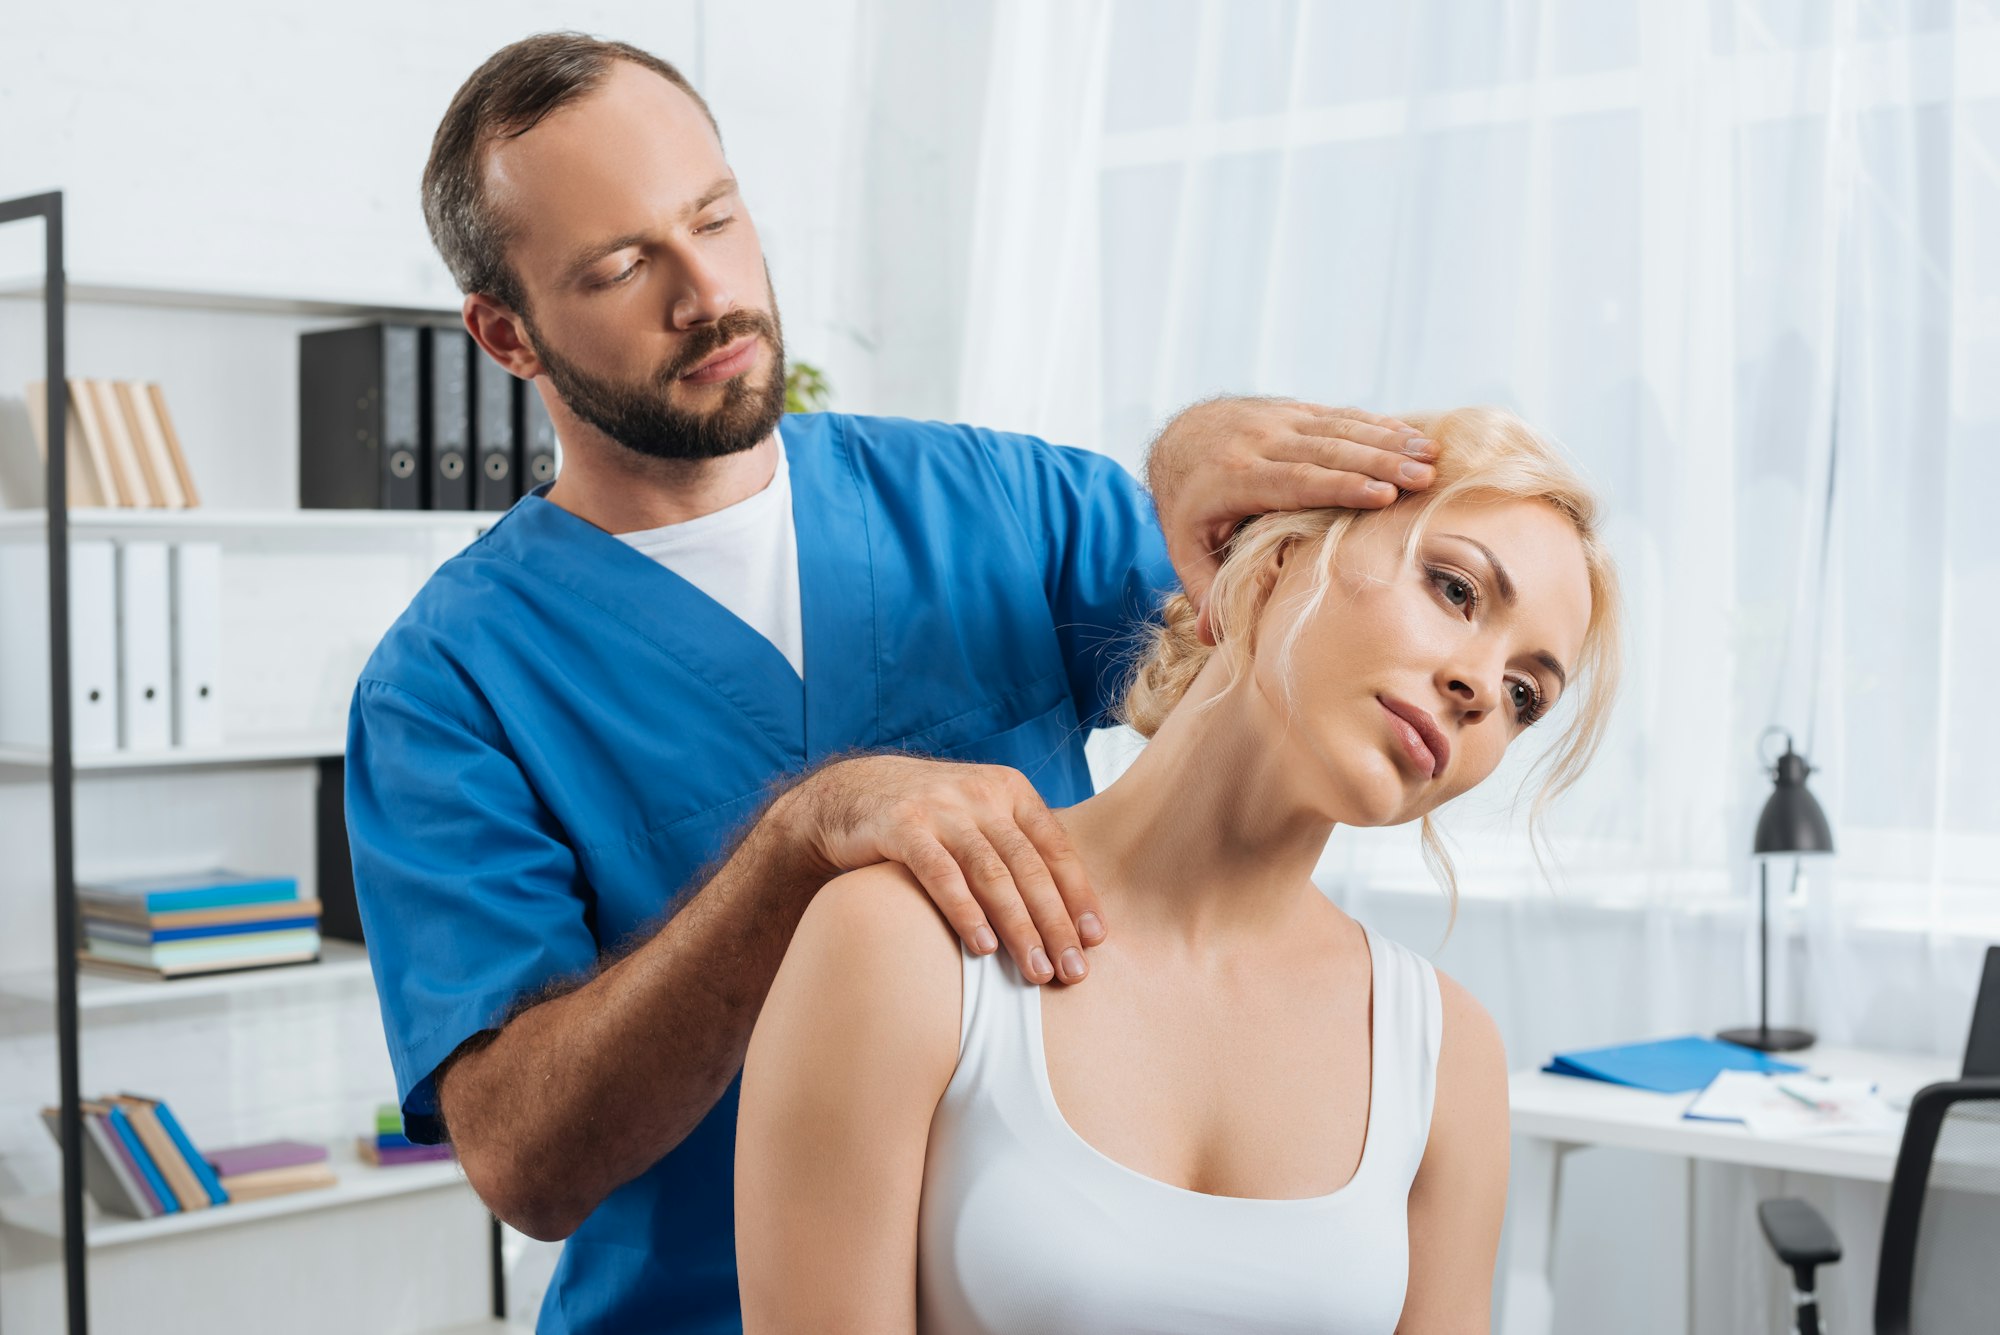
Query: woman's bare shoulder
[873, 969]
[1471, 1098]
[882, 918]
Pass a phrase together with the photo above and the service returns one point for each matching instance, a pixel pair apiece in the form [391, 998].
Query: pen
[1812, 1103]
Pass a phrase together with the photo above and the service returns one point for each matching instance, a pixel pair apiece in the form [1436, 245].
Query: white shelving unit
[358, 1182]
[267, 751]
[114, 290]
[340, 962]
[200, 522]
[269, 1052]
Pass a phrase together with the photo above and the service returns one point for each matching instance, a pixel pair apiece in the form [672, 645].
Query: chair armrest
[1798, 1233]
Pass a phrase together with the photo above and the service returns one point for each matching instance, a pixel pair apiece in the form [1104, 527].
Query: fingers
[1360, 415]
[1400, 470]
[998, 865]
[1059, 952]
[1400, 441]
[934, 866]
[1051, 842]
[1001, 900]
[1303, 486]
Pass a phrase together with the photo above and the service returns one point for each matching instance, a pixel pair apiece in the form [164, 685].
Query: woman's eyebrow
[1505, 583]
[1501, 578]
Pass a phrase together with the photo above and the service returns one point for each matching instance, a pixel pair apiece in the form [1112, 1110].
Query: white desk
[1555, 1114]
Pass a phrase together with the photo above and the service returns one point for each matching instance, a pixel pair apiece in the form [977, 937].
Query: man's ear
[501, 334]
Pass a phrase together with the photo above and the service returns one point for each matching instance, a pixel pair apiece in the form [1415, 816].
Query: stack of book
[209, 922]
[390, 1146]
[122, 449]
[137, 1161]
[271, 1168]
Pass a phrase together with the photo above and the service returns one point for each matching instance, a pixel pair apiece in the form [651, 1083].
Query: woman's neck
[1207, 836]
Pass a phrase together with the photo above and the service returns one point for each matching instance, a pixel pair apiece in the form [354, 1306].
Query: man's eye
[719, 223]
[619, 278]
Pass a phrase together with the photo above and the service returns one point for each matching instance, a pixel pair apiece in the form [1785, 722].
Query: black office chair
[1952, 1140]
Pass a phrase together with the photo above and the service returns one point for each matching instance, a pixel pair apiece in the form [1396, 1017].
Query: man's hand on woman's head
[1225, 460]
[993, 858]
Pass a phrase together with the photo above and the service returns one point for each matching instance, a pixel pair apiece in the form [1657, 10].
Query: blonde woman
[1257, 1115]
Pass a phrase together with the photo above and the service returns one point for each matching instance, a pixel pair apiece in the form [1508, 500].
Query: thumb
[1197, 577]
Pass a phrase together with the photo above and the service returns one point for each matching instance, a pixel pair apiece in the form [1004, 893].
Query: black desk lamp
[1792, 823]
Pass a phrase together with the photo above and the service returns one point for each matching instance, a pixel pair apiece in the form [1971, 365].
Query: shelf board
[256, 523]
[359, 1182]
[265, 751]
[128, 292]
[340, 961]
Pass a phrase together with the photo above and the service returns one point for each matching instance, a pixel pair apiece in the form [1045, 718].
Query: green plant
[806, 389]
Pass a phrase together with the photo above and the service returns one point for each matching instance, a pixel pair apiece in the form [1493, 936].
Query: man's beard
[643, 418]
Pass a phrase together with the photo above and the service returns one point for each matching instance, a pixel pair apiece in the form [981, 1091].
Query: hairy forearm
[581, 1093]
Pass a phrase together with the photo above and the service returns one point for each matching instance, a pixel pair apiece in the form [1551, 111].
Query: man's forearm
[582, 1093]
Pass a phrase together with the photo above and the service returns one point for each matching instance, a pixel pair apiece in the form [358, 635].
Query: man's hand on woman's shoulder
[978, 838]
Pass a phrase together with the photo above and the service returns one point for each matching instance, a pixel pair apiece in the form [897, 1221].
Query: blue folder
[1667, 1065]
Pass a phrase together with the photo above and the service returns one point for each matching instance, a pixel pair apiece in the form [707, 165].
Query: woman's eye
[1527, 701]
[1458, 592]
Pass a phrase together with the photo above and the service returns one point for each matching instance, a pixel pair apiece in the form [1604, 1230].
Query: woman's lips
[733, 360]
[1421, 741]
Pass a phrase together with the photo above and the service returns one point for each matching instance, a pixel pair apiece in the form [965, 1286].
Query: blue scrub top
[560, 733]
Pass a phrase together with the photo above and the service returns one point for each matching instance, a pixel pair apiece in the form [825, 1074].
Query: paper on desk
[1849, 1107]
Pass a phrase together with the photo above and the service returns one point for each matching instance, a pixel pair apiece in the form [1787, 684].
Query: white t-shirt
[746, 557]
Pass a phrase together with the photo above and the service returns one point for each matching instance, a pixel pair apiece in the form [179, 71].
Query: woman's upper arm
[1459, 1196]
[853, 1048]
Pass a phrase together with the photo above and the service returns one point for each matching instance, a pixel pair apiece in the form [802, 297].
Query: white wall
[237, 146]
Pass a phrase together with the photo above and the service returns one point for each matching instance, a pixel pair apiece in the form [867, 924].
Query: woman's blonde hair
[1485, 453]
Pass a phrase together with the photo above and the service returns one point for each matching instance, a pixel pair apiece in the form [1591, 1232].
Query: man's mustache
[709, 339]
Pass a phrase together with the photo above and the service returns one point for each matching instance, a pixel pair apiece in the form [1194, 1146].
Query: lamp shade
[1792, 821]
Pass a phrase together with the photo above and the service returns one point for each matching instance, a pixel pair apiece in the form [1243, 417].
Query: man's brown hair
[506, 97]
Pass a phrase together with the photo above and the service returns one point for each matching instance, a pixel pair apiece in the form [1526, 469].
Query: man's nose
[702, 297]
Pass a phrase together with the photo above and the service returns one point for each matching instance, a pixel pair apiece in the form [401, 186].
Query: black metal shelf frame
[62, 767]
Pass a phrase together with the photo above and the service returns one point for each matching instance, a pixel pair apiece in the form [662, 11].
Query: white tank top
[1026, 1228]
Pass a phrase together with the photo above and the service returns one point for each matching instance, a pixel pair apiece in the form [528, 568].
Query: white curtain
[1718, 249]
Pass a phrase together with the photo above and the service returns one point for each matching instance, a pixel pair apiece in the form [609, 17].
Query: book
[101, 1115]
[135, 915]
[178, 1173]
[150, 442]
[107, 1176]
[158, 400]
[122, 1125]
[198, 890]
[1667, 1065]
[386, 1158]
[83, 404]
[170, 972]
[207, 950]
[203, 1174]
[132, 934]
[84, 480]
[123, 450]
[236, 1160]
[388, 1119]
[278, 1181]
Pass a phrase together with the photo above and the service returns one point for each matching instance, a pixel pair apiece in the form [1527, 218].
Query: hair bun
[1173, 661]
